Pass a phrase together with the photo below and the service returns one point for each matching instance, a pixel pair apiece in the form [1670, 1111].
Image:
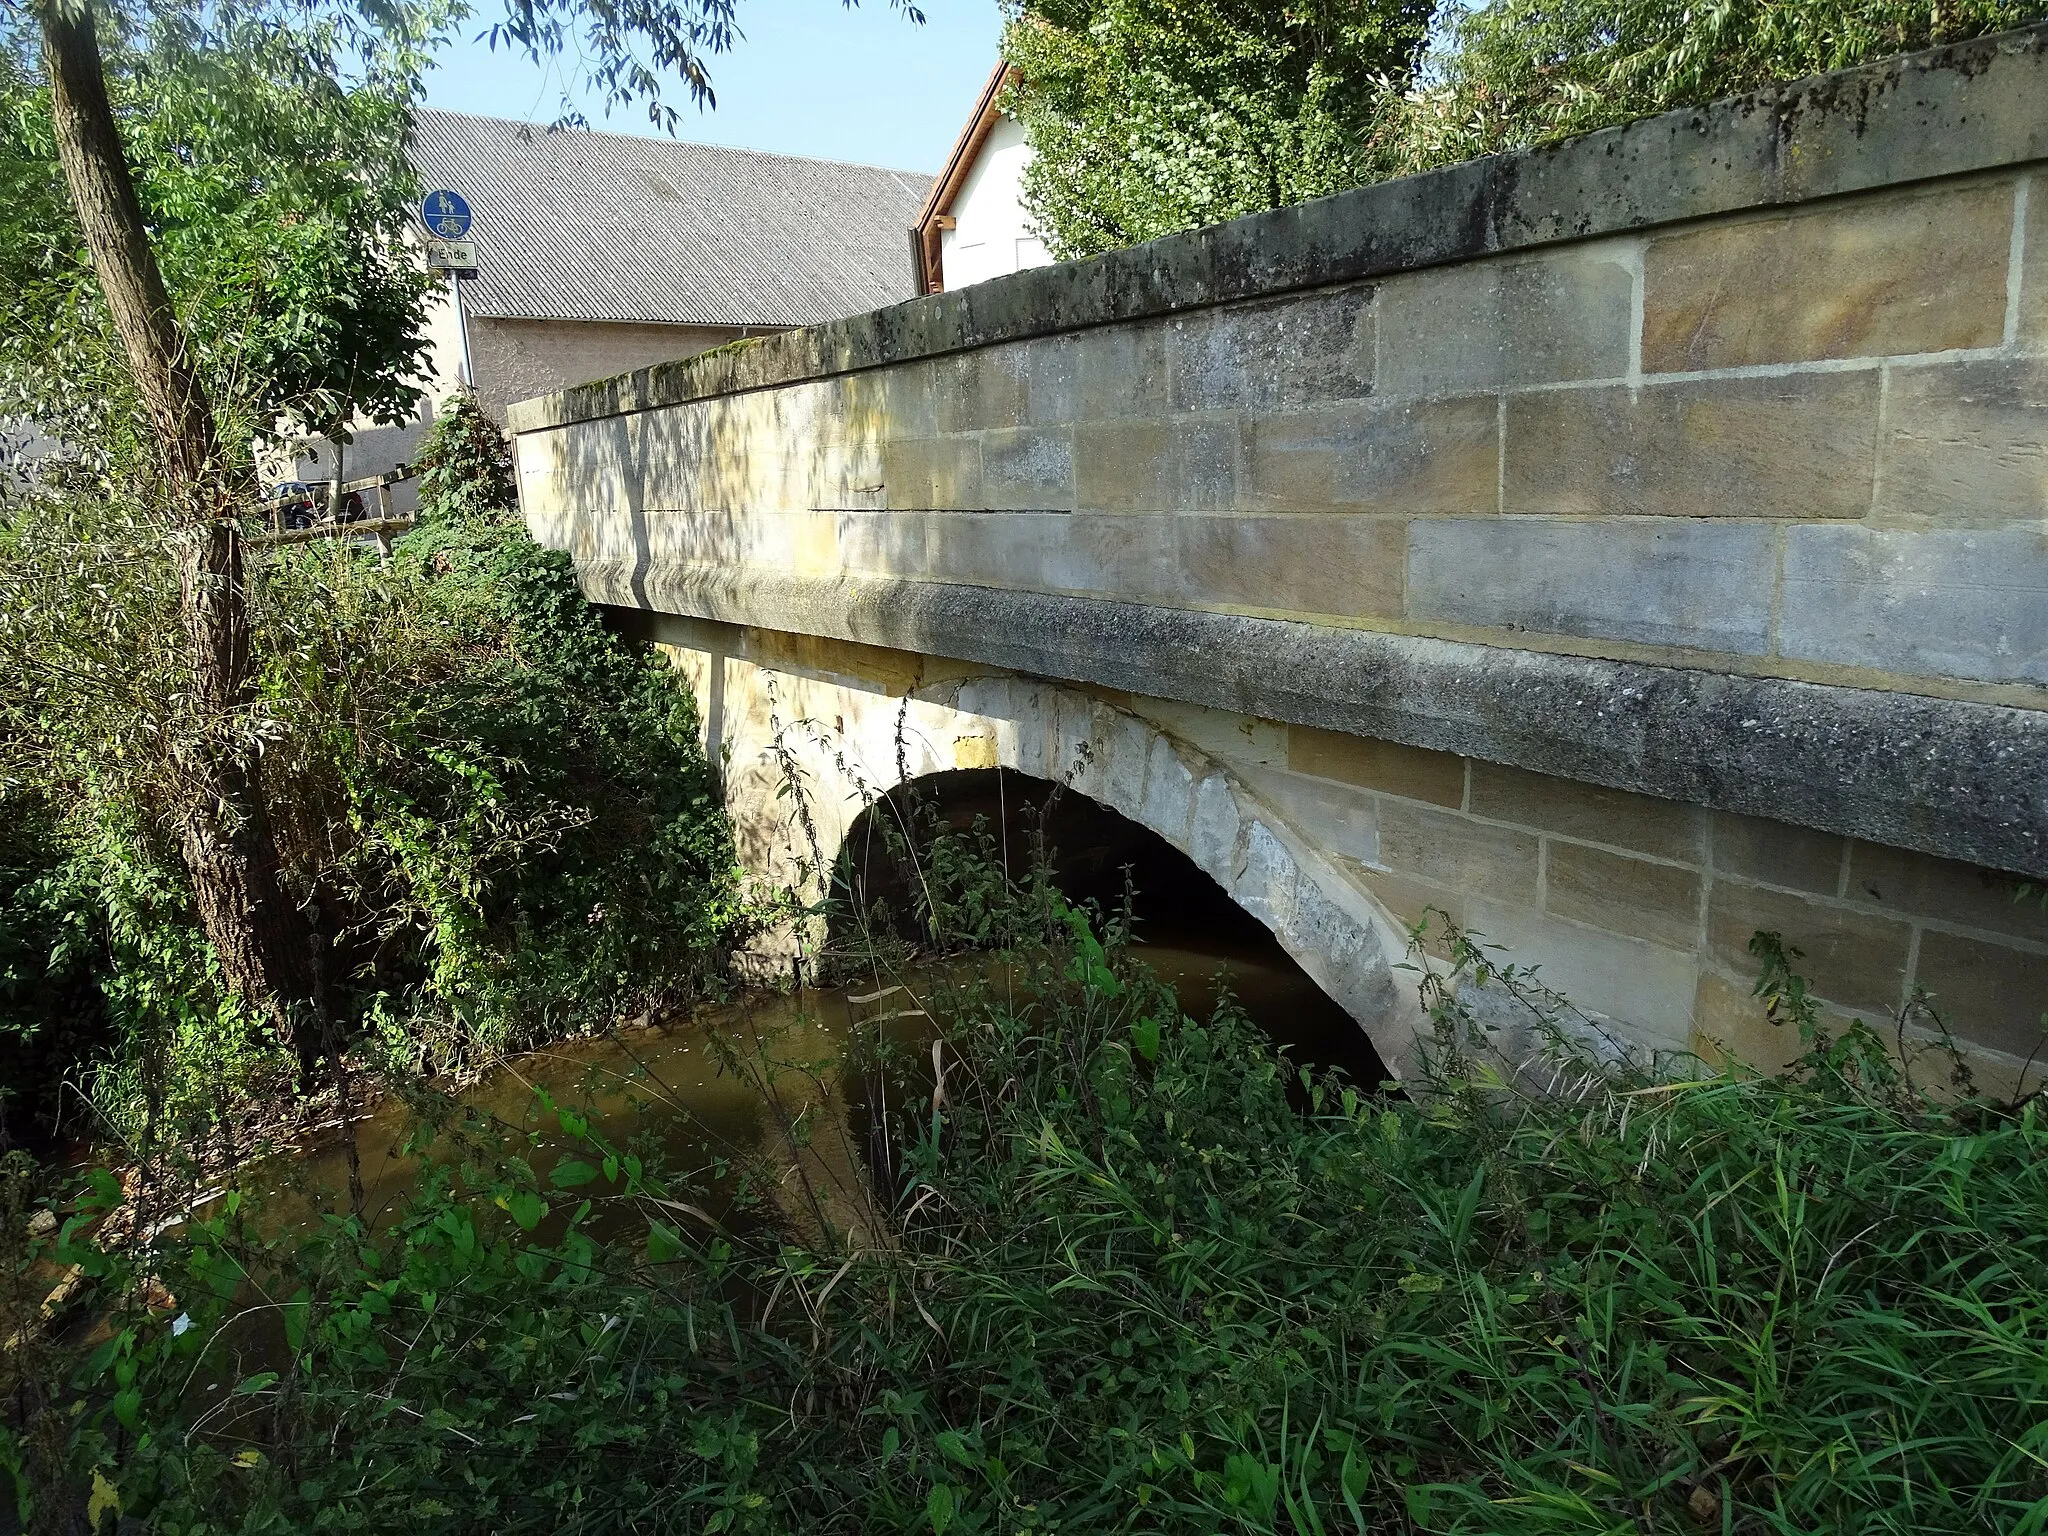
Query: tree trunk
[262, 939]
[260, 936]
[110, 214]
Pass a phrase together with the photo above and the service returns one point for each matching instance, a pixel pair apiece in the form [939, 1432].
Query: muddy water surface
[729, 1094]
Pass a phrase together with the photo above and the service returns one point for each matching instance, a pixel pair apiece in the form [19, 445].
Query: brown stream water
[721, 1094]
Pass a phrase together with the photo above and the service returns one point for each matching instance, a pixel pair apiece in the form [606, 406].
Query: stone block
[1988, 993]
[1965, 443]
[869, 668]
[1028, 469]
[1297, 350]
[1666, 581]
[1852, 958]
[1074, 752]
[1411, 456]
[1658, 902]
[933, 474]
[1123, 466]
[1895, 272]
[1642, 992]
[1776, 853]
[701, 538]
[1121, 371]
[1521, 320]
[1019, 384]
[974, 750]
[1052, 389]
[883, 543]
[1123, 748]
[1729, 1020]
[1335, 818]
[1054, 552]
[1665, 829]
[1414, 773]
[685, 457]
[1803, 446]
[1964, 603]
[2033, 305]
[1207, 454]
[1348, 960]
[1240, 740]
[1214, 829]
[1188, 464]
[848, 475]
[1411, 900]
[1265, 885]
[1921, 885]
[1169, 793]
[1453, 850]
[1342, 566]
[889, 402]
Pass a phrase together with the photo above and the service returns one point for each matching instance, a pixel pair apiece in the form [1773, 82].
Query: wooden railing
[381, 527]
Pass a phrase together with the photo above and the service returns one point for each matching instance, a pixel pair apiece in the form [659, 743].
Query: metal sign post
[449, 249]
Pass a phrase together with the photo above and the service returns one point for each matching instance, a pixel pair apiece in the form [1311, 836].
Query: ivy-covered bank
[496, 815]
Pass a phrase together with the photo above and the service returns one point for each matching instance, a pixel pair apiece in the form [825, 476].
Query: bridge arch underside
[1638, 909]
[1182, 921]
[850, 725]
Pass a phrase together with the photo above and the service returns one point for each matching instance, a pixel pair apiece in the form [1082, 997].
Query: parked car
[294, 504]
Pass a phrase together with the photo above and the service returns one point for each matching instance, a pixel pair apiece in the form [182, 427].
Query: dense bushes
[1523, 72]
[1130, 1285]
[533, 834]
[497, 812]
[1148, 118]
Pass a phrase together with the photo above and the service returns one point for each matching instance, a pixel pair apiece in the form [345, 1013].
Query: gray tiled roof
[578, 225]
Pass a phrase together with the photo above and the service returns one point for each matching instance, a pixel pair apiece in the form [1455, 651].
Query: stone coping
[1963, 780]
[1948, 111]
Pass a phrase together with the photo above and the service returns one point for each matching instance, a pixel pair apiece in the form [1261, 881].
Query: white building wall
[993, 236]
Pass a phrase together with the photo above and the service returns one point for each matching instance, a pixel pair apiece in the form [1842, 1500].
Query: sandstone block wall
[1628, 545]
[1813, 445]
[1639, 910]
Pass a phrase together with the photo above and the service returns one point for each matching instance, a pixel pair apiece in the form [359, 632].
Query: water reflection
[759, 1097]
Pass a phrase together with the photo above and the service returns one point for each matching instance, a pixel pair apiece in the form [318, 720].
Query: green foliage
[1523, 72]
[1152, 116]
[533, 829]
[465, 469]
[51, 1014]
[1133, 1285]
[497, 812]
[273, 176]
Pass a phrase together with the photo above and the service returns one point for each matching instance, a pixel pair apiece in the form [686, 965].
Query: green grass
[1132, 1285]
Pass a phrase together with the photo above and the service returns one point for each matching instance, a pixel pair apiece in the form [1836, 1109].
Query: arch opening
[1185, 926]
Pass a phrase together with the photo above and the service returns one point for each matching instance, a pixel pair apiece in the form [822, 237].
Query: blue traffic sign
[447, 215]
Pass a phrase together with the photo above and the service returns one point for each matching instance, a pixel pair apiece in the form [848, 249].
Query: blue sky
[809, 78]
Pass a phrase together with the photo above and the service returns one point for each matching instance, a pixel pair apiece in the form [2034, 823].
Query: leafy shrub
[533, 834]
[497, 812]
[51, 1015]
[1150, 118]
[1524, 72]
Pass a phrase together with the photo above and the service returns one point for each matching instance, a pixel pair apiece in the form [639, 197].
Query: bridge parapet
[1703, 459]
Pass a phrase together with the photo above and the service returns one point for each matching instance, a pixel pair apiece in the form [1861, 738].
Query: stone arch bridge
[1623, 547]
